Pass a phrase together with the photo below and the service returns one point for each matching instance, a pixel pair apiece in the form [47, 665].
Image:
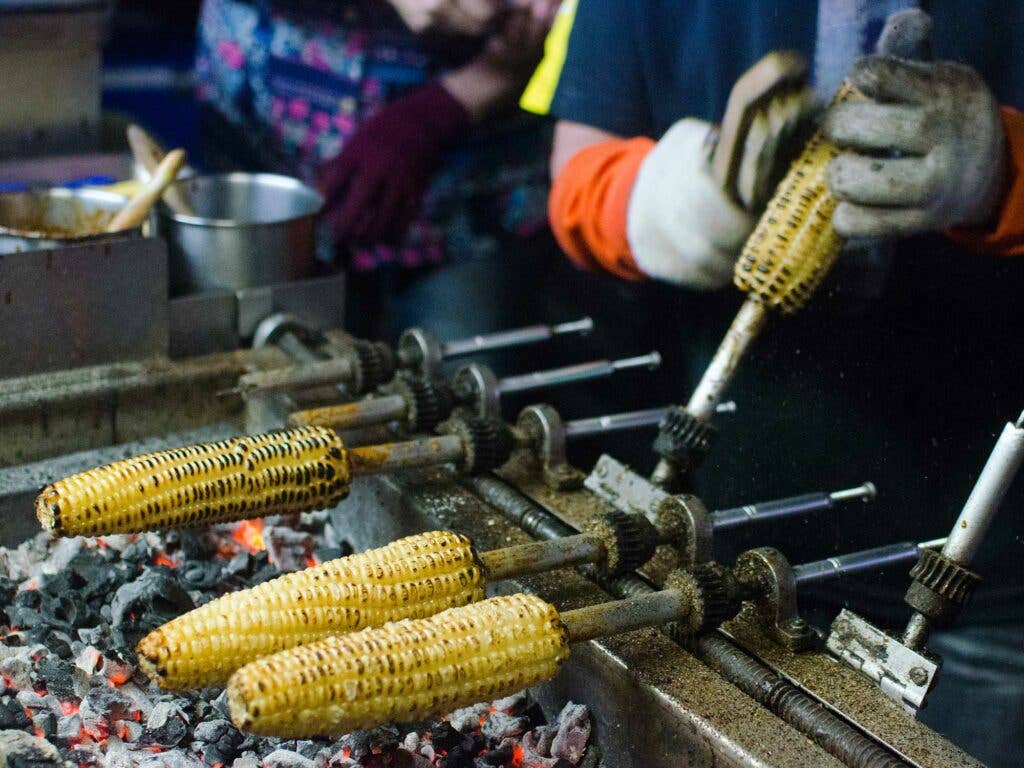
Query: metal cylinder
[988, 493]
[363, 413]
[720, 371]
[541, 556]
[904, 553]
[429, 451]
[614, 422]
[316, 373]
[631, 613]
[806, 504]
[571, 374]
[513, 338]
[517, 508]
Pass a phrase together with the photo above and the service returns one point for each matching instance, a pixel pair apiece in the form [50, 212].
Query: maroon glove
[374, 188]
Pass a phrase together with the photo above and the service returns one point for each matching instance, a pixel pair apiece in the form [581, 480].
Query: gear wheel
[941, 587]
[683, 438]
[629, 540]
[487, 442]
[374, 365]
[429, 400]
[711, 591]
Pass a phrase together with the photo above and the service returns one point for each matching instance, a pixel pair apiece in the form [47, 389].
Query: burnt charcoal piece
[8, 589]
[499, 725]
[58, 642]
[142, 605]
[21, 750]
[443, 737]
[573, 726]
[199, 575]
[99, 578]
[494, 758]
[165, 726]
[45, 724]
[12, 714]
[462, 754]
[285, 758]
[241, 565]
[220, 741]
[58, 676]
[365, 743]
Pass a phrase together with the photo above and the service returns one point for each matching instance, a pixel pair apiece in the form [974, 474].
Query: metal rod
[429, 451]
[541, 556]
[720, 371]
[988, 493]
[614, 422]
[318, 372]
[624, 615]
[363, 413]
[571, 374]
[513, 338]
[904, 553]
[794, 506]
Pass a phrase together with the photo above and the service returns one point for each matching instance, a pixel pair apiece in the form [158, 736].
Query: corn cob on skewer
[415, 668]
[413, 577]
[781, 265]
[401, 671]
[296, 470]
[410, 578]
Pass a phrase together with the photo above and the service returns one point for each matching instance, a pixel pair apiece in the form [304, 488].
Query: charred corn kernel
[410, 578]
[402, 671]
[291, 471]
[794, 244]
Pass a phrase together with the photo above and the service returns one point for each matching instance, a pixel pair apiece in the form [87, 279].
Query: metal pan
[52, 218]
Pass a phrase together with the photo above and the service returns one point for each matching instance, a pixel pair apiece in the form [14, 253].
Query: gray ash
[71, 693]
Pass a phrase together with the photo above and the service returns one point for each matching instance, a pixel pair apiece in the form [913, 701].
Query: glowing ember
[312, 561]
[249, 533]
[69, 707]
[162, 559]
[517, 756]
[30, 584]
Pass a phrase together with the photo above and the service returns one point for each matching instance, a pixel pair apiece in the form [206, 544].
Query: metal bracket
[273, 327]
[476, 388]
[421, 349]
[771, 577]
[682, 521]
[902, 673]
[546, 432]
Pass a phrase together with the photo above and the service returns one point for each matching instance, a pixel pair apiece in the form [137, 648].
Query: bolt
[797, 625]
[918, 675]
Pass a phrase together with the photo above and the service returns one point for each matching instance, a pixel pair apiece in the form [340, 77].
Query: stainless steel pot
[32, 221]
[249, 230]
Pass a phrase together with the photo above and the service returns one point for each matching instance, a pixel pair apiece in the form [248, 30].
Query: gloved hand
[467, 17]
[374, 189]
[683, 226]
[943, 122]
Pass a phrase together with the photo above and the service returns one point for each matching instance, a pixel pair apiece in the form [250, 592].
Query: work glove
[374, 189]
[467, 17]
[924, 149]
[685, 223]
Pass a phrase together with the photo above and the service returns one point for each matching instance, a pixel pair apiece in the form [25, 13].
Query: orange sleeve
[588, 204]
[1006, 236]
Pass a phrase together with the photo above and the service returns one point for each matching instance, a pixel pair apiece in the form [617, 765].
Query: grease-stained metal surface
[541, 556]
[65, 411]
[654, 705]
[842, 688]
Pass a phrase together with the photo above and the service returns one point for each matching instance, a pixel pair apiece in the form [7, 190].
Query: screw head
[918, 675]
[797, 625]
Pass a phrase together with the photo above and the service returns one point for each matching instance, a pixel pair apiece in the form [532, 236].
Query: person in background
[404, 115]
[930, 162]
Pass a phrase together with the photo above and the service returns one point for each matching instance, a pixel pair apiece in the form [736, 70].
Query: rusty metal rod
[625, 615]
[541, 556]
[425, 452]
[315, 373]
[363, 413]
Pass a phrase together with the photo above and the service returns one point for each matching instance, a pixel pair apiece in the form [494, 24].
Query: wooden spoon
[148, 153]
[137, 207]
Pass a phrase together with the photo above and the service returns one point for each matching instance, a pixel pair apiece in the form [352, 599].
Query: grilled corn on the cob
[413, 577]
[295, 470]
[794, 244]
[401, 671]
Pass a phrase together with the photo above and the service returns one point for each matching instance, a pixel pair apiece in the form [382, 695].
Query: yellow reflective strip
[541, 89]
